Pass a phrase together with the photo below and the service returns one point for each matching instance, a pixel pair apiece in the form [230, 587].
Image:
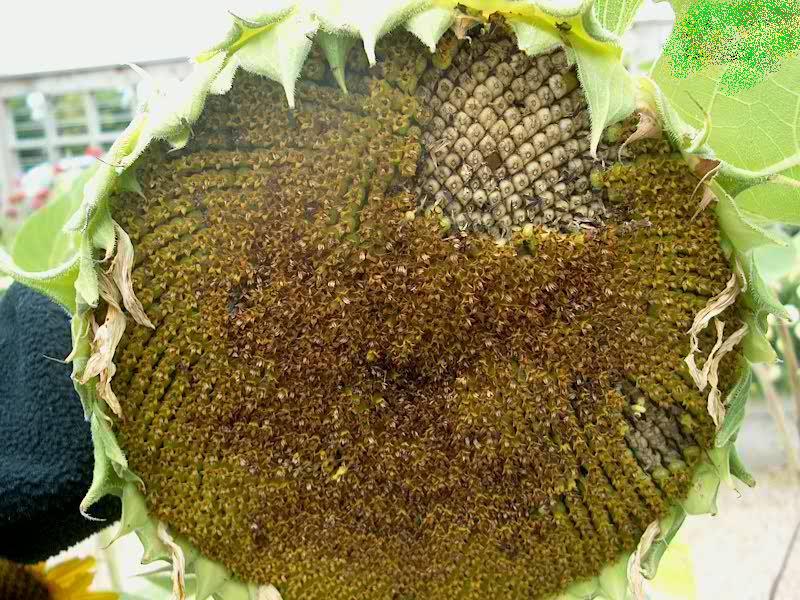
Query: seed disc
[414, 341]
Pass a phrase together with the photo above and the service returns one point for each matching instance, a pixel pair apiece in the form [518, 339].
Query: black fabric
[45, 445]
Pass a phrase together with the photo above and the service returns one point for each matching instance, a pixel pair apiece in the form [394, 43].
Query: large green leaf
[776, 262]
[777, 199]
[41, 242]
[741, 229]
[755, 130]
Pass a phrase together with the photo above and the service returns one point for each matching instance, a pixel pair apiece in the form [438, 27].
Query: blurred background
[66, 94]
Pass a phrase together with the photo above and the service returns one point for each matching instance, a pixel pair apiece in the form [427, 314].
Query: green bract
[753, 186]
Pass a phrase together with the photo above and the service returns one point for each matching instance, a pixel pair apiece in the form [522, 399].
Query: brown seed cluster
[344, 400]
[18, 582]
[508, 143]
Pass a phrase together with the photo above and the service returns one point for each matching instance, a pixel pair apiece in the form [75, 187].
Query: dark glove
[46, 455]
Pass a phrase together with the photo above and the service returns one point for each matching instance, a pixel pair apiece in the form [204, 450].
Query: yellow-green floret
[353, 392]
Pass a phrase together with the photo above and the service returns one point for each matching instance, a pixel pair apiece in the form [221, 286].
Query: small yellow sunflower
[69, 580]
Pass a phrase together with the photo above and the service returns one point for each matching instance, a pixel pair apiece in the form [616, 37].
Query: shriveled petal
[268, 592]
[106, 339]
[178, 563]
[716, 407]
[635, 574]
[715, 306]
[121, 269]
[648, 127]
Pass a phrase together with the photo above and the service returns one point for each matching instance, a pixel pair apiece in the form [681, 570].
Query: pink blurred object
[32, 190]
[40, 199]
[16, 198]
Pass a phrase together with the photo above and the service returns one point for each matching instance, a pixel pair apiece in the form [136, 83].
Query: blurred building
[48, 116]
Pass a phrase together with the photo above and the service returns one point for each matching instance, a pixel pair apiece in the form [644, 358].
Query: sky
[40, 36]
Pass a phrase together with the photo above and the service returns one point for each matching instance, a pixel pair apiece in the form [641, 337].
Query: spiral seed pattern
[508, 144]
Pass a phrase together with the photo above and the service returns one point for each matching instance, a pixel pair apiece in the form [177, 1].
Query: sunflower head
[423, 339]
[401, 319]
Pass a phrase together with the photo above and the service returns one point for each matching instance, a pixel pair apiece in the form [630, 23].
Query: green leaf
[86, 283]
[224, 80]
[41, 243]
[562, 8]
[756, 347]
[613, 579]
[102, 434]
[190, 553]
[702, 497]
[721, 461]
[776, 200]
[735, 405]
[764, 115]
[134, 511]
[738, 469]
[105, 479]
[370, 21]
[211, 576]
[97, 189]
[160, 585]
[775, 262]
[616, 15]
[669, 527]
[429, 25]
[759, 296]
[608, 86]
[737, 226]
[679, 6]
[103, 233]
[235, 590]
[129, 181]
[171, 112]
[675, 579]
[57, 283]
[583, 589]
[81, 330]
[154, 548]
[534, 40]
[243, 27]
[280, 51]
[336, 47]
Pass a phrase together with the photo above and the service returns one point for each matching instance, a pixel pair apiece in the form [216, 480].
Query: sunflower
[68, 580]
[434, 318]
